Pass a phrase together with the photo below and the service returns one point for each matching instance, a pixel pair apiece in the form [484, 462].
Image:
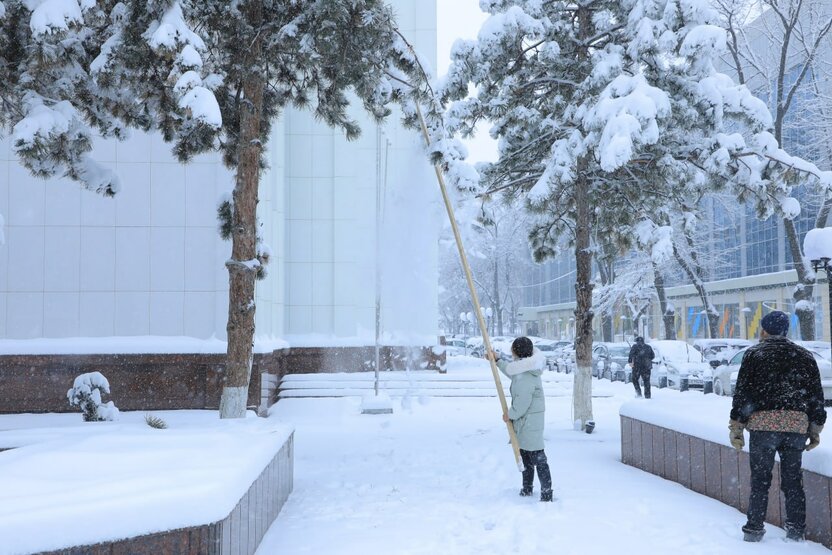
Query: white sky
[462, 19]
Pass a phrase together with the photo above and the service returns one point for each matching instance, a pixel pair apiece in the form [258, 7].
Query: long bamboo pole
[474, 298]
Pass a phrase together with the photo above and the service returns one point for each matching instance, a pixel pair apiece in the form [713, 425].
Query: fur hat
[775, 323]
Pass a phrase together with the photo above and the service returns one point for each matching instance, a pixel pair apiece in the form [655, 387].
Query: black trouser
[532, 460]
[762, 446]
[644, 374]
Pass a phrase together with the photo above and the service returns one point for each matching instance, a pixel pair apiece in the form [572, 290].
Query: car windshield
[679, 351]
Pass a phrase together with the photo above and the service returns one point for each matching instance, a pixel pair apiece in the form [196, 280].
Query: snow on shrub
[86, 393]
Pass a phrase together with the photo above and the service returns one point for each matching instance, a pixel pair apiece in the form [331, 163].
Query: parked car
[455, 347]
[564, 357]
[725, 376]
[499, 343]
[547, 347]
[716, 351]
[677, 363]
[816, 346]
[609, 360]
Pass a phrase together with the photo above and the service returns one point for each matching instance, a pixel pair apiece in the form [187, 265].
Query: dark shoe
[795, 535]
[752, 534]
[546, 496]
[526, 492]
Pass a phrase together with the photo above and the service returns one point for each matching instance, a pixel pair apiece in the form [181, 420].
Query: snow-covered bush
[86, 394]
[155, 422]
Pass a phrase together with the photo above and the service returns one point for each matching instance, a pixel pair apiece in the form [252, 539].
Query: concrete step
[399, 384]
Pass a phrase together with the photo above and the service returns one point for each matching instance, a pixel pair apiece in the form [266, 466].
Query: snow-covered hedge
[86, 393]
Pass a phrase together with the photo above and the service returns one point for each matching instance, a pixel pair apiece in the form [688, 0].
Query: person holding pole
[528, 406]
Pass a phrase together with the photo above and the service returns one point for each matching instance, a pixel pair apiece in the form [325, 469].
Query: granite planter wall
[38, 383]
[240, 533]
[720, 472]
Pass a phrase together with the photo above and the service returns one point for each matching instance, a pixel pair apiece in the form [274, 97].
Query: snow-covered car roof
[675, 350]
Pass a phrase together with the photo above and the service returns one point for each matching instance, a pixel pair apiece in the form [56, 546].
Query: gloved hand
[814, 436]
[736, 434]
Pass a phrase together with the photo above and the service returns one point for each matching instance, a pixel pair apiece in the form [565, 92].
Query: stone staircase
[416, 383]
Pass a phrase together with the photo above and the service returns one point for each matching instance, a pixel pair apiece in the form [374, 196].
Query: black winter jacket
[641, 356]
[776, 374]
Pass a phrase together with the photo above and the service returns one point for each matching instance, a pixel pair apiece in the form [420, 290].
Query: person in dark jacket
[641, 360]
[779, 399]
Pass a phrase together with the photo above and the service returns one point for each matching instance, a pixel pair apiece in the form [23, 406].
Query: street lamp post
[825, 264]
[818, 249]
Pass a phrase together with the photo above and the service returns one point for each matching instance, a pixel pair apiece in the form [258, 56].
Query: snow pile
[86, 394]
[87, 484]
[818, 243]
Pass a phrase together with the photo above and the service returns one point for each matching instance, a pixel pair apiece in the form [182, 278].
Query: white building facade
[150, 261]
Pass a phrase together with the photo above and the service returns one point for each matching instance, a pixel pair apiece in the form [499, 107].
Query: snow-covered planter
[86, 394]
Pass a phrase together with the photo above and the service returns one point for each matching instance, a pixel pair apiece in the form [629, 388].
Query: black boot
[752, 534]
[795, 534]
[546, 495]
[526, 492]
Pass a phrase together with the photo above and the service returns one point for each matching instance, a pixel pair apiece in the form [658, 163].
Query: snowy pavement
[438, 476]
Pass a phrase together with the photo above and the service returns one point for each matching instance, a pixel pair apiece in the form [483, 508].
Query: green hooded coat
[528, 404]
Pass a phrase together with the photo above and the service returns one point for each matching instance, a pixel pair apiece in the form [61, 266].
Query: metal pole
[829, 286]
[378, 258]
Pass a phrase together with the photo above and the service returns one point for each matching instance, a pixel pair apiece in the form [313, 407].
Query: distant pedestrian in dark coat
[779, 399]
[641, 361]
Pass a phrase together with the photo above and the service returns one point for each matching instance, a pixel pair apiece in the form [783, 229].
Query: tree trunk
[606, 326]
[606, 269]
[582, 389]
[496, 309]
[241, 271]
[696, 281]
[804, 289]
[668, 316]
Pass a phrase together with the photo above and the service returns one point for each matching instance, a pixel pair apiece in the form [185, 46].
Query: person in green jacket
[528, 406]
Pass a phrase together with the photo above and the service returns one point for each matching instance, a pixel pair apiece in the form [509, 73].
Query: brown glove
[736, 434]
[814, 436]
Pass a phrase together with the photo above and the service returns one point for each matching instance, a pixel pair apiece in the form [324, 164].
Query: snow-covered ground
[70, 483]
[438, 476]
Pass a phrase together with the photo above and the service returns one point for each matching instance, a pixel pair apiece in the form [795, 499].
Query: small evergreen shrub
[155, 422]
[86, 394]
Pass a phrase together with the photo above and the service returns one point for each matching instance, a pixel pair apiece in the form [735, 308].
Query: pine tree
[604, 110]
[209, 75]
